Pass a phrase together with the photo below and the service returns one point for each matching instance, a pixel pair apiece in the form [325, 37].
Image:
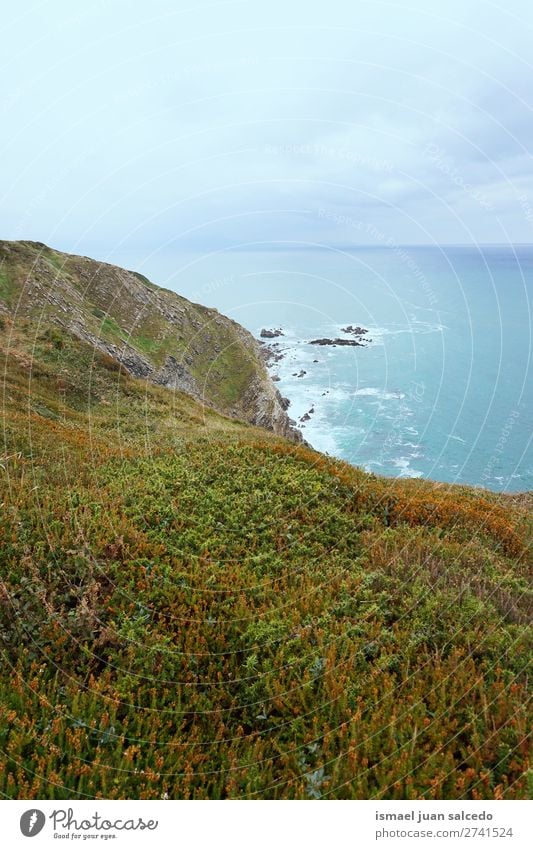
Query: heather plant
[196, 608]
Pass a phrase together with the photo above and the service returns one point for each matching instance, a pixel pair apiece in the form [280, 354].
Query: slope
[154, 333]
[194, 607]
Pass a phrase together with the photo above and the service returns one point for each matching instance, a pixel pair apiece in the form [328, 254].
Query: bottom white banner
[265, 824]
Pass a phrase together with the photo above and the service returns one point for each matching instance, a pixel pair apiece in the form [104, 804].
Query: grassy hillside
[156, 334]
[194, 607]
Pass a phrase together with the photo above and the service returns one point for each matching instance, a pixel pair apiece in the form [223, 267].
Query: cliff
[153, 333]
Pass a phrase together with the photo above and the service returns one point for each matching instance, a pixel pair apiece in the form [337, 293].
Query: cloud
[129, 124]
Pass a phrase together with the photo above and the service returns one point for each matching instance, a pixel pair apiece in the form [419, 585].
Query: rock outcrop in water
[355, 331]
[271, 334]
[352, 343]
[359, 334]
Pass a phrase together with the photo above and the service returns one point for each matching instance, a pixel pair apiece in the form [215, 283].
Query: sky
[193, 126]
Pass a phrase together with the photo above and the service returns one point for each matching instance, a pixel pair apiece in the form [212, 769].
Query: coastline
[333, 399]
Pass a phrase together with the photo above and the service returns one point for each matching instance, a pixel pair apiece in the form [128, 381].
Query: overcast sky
[191, 126]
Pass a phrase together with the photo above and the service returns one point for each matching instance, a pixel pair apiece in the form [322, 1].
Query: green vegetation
[146, 344]
[7, 288]
[110, 329]
[195, 607]
[55, 259]
[145, 280]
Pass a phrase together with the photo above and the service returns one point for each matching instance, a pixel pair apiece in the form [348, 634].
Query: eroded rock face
[268, 409]
[176, 375]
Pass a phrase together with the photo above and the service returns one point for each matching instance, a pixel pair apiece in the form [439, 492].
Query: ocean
[443, 388]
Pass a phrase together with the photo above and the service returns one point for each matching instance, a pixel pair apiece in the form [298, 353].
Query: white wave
[371, 467]
[377, 333]
[405, 470]
[381, 394]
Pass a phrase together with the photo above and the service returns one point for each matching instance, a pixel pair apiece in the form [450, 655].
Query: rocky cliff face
[153, 333]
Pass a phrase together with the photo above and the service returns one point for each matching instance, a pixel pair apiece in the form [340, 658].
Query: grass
[56, 260]
[146, 344]
[191, 606]
[239, 370]
[145, 280]
[110, 328]
[7, 288]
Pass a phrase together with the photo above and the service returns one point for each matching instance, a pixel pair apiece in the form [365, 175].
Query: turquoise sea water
[443, 391]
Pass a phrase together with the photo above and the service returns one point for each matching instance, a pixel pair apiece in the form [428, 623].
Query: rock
[269, 355]
[355, 331]
[307, 416]
[271, 334]
[268, 409]
[353, 343]
[301, 373]
[176, 375]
